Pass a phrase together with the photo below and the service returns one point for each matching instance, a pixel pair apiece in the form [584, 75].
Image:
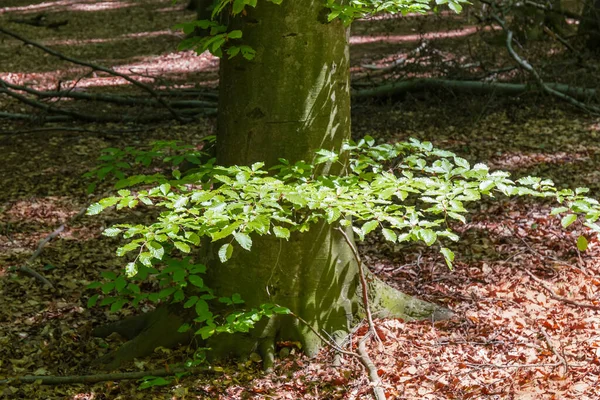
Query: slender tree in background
[589, 26]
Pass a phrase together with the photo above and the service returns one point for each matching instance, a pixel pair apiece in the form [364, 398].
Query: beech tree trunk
[290, 100]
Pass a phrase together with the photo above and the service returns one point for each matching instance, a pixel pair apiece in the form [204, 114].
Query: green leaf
[582, 243]
[94, 285]
[194, 238]
[92, 301]
[206, 331]
[281, 232]
[225, 252]
[237, 34]
[166, 292]
[117, 305]
[558, 210]
[389, 235]
[155, 249]
[202, 310]
[243, 239]
[568, 220]
[179, 275]
[130, 269]
[94, 209]
[428, 236]
[196, 281]
[120, 283]
[182, 246]
[165, 188]
[237, 298]
[111, 232]
[369, 227]
[448, 256]
[190, 302]
[486, 185]
[178, 296]
[332, 214]
[107, 287]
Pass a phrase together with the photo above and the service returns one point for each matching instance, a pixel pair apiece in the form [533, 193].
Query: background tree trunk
[589, 26]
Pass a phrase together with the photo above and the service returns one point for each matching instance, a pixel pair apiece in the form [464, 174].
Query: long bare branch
[95, 67]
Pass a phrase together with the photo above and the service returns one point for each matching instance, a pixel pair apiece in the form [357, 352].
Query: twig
[26, 267]
[96, 67]
[362, 355]
[33, 118]
[47, 108]
[529, 68]
[324, 339]
[65, 380]
[115, 99]
[28, 270]
[542, 256]
[75, 129]
[562, 359]
[557, 297]
[500, 366]
[36, 275]
[371, 368]
[363, 281]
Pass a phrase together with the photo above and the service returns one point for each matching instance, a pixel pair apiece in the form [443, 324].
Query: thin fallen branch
[376, 70]
[106, 98]
[371, 368]
[75, 129]
[551, 10]
[529, 68]
[192, 113]
[362, 355]
[556, 260]
[26, 267]
[501, 366]
[560, 298]
[40, 21]
[363, 281]
[328, 342]
[474, 87]
[96, 67]
[561, 358]
[33, 118]
[48, 108]
[73, 379]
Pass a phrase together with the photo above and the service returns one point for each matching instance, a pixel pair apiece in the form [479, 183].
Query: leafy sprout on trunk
[409, 191]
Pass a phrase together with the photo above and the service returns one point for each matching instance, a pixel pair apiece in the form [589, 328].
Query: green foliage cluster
[220, 41]
[406, 191]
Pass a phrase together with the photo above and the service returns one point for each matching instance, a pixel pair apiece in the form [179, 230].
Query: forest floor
[526, 300]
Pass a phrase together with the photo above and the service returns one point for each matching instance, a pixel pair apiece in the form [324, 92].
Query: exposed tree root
[145, 332]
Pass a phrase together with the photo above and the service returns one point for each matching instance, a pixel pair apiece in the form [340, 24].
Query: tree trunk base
[159, 328]
[145, 333]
